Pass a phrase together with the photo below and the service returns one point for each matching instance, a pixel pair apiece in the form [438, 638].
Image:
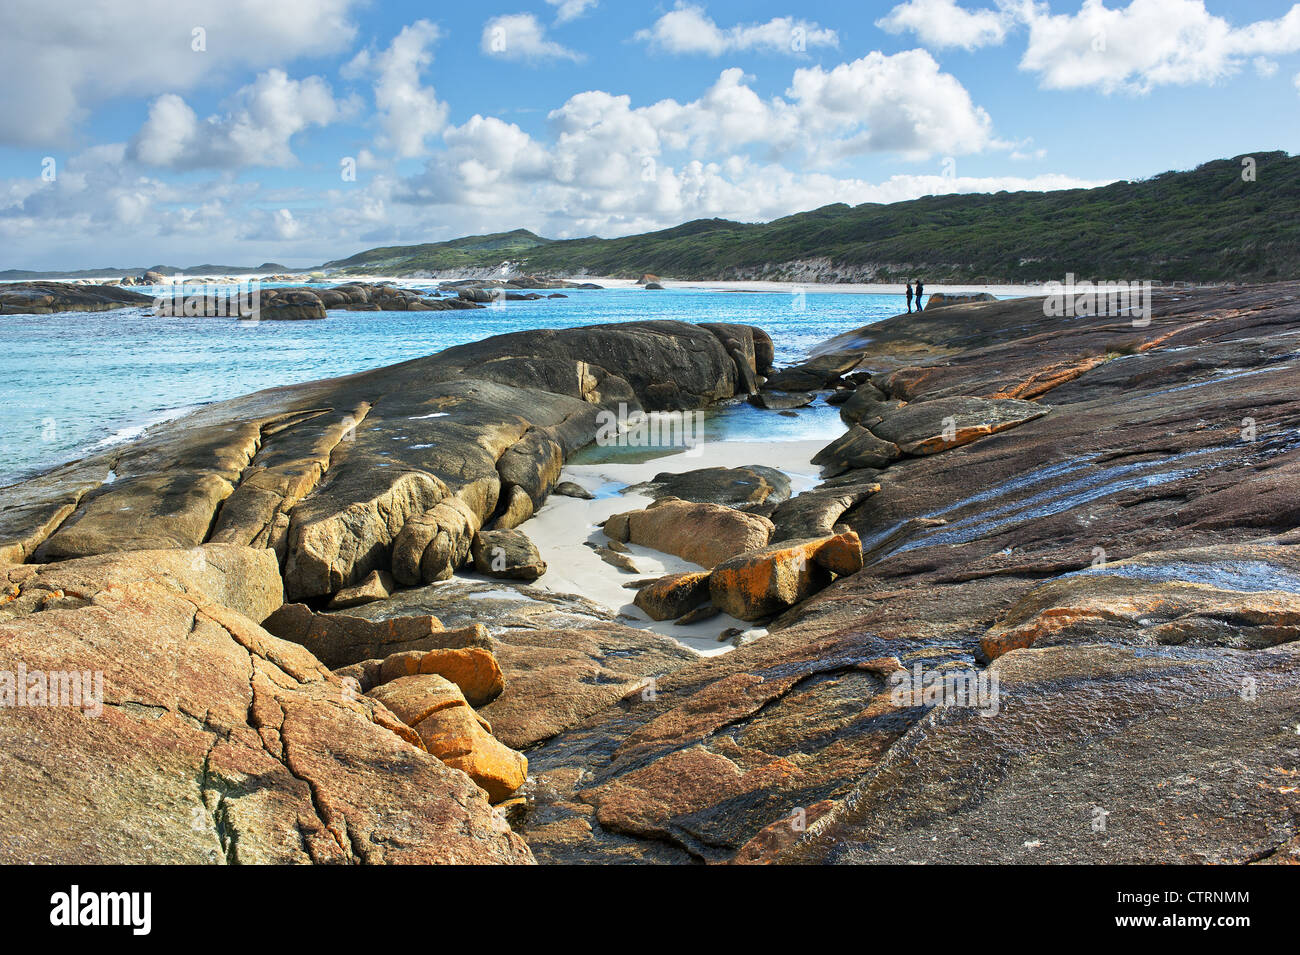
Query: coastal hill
[207, 268]
[1208, 224]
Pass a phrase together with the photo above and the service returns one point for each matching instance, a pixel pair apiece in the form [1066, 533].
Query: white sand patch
[564, 524]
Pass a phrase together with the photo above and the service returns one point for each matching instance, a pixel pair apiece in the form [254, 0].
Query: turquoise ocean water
[77, 382]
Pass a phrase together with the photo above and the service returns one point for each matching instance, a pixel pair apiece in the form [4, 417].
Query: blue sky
[183, 131]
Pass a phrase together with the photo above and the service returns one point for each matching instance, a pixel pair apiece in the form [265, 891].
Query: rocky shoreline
[311, 608]
[201, 298]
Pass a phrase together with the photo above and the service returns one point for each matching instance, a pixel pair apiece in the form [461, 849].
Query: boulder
[474, 670]
[818, 372]
[781, 400]
[941, 299]
[734, 487]
[704, 534]
[670, 597]
[815, 513]
[571, 489]
[856, 448]
[508, 554]
[518, 508]
[450, 730]
[430, 547]
[534, 464]
[378, 586]
[867, 405]
[928, 427]
[243, 579]
[338, 640]
[42, 298]
[757, 585]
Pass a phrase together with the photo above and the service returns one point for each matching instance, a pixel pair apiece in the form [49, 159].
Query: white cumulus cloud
[1146, 44]
[689, 29]
[264, 117]
[62, 59]
[521, 36]
[567, 10]
[942, 23]
[408, 112]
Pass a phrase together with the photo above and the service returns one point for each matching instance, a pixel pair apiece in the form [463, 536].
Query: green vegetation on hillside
[1204, 225]
[470, 252]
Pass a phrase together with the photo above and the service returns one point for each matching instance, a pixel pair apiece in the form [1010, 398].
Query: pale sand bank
[820, 288]
[811, 288]
[564, 524]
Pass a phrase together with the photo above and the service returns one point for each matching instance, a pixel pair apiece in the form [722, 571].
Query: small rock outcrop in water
[45, 297]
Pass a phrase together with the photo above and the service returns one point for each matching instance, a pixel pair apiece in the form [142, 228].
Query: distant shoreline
[610, 283]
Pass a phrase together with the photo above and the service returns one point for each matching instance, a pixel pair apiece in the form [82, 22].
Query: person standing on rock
[919, 288]
[909, 298]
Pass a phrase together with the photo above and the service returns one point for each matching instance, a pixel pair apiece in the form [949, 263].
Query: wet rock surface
[45, 297]
[1125, 558]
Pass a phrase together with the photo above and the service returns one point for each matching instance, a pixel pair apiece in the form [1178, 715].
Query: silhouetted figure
[919, 289]
[909, 298]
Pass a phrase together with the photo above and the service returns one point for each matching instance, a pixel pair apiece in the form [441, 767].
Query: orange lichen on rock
[450, 730]
[767, 581]
[474, 670]
[1052, 376]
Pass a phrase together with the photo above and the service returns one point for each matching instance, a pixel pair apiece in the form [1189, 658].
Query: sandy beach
[562, 528]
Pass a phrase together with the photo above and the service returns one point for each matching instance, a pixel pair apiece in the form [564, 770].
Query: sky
[179, 132]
